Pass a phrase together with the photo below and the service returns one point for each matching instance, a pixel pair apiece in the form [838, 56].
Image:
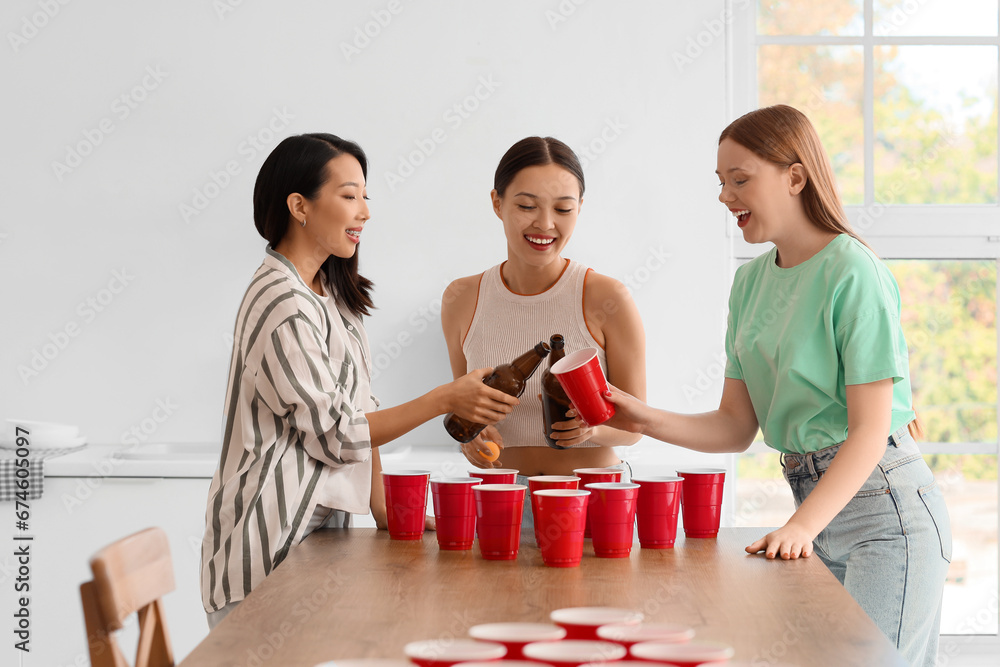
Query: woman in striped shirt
[301, 423]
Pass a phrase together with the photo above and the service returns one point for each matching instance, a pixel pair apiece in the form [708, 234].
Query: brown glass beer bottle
[555, 403]
[510, 379]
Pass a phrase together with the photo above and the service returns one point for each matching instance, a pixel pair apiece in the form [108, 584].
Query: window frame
[894, 231]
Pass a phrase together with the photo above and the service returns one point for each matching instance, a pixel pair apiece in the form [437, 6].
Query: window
[904, 96]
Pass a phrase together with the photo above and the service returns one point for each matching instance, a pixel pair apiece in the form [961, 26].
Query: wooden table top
[357, 594]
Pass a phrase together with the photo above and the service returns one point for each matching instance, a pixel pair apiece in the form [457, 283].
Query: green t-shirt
[798, 336]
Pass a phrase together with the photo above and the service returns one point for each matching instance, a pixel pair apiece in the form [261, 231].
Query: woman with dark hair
[817, 360]
[302, 426]
[494, 316]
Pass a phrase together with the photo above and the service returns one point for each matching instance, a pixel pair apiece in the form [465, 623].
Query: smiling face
[762, 195]
[539, 209]
[337, 215]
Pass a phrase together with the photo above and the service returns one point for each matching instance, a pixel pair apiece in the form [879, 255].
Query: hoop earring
[303, 223]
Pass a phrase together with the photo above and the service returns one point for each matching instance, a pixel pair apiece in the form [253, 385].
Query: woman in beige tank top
[538, 193]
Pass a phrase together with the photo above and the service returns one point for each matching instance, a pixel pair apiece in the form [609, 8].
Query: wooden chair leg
[154, 641]
[104, 651]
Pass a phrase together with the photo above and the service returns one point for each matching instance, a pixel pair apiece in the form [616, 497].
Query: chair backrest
[130, 576]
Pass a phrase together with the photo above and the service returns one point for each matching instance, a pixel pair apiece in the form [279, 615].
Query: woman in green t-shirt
[817, 360]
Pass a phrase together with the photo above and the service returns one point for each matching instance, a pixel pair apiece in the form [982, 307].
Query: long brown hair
[783, 136]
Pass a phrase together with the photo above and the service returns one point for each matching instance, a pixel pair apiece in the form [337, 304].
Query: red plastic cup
[445, 653]
[495, 475]
[583, 380]
[498, 519]
[629, 635]
[592, 476]
[454, 512]
[701, 500]
[515, 636]
[540, 482]
[683, 655]
[612, 517]
[405, 502]
[560, 516]
[582, 622]
[574, 652]
[656, 511]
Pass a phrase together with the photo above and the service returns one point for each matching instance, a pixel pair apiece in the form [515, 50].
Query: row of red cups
[580, 635]
[559, 507]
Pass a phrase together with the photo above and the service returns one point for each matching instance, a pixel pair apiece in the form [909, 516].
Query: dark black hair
[298, 164]
[534, 151]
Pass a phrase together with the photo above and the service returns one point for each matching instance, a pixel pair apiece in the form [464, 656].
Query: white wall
[571, 69]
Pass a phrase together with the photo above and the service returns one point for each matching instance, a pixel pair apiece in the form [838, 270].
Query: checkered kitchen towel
[36, 472]
[8, 478]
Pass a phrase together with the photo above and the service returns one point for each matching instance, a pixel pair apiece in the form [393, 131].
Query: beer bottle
[510, 379]
[555, 403]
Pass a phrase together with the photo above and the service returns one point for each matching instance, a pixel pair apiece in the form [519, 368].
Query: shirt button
[350, 327]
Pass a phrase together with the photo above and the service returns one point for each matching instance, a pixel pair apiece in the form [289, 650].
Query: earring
[303, 223]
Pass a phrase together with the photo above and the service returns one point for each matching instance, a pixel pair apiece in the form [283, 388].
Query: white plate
[40, 444]
[41, 430]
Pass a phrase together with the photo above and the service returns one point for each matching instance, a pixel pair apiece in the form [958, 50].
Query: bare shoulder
[458, 303]
[605, 294]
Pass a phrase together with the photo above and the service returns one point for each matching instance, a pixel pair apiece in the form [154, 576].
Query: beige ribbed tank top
[506, 325]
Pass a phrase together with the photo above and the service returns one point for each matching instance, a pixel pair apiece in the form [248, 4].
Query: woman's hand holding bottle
[471, 399]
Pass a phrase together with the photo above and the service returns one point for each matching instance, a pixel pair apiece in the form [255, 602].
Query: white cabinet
[77, 516]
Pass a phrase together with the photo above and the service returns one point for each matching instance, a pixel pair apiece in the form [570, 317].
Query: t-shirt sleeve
[733, 368]
[299, 381]
[869, 335]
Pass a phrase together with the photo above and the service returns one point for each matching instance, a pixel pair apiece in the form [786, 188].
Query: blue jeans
[890, 546]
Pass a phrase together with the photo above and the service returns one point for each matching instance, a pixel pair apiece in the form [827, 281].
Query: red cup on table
[541, 482]
[574, 652]
[498, 519]
[582, 622]
[405, 502]
[656, 510]
[592, 476]
[515, 636]
[629, 635]
[612, 517]
[495, 475]
[701, 500]
[582, 378]
[445, 653]
[455, 511]
[560, 516]
[690, 654]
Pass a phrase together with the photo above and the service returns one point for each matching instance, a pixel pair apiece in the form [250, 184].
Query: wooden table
[356, 593]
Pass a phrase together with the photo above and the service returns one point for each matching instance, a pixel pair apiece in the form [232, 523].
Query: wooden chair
[130, 575]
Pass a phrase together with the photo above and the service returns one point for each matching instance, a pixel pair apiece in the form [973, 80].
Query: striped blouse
[295, 430]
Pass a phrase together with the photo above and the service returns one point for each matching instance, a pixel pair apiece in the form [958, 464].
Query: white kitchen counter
[183, 460]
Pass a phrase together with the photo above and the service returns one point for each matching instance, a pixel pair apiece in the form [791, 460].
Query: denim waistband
[900, 449]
